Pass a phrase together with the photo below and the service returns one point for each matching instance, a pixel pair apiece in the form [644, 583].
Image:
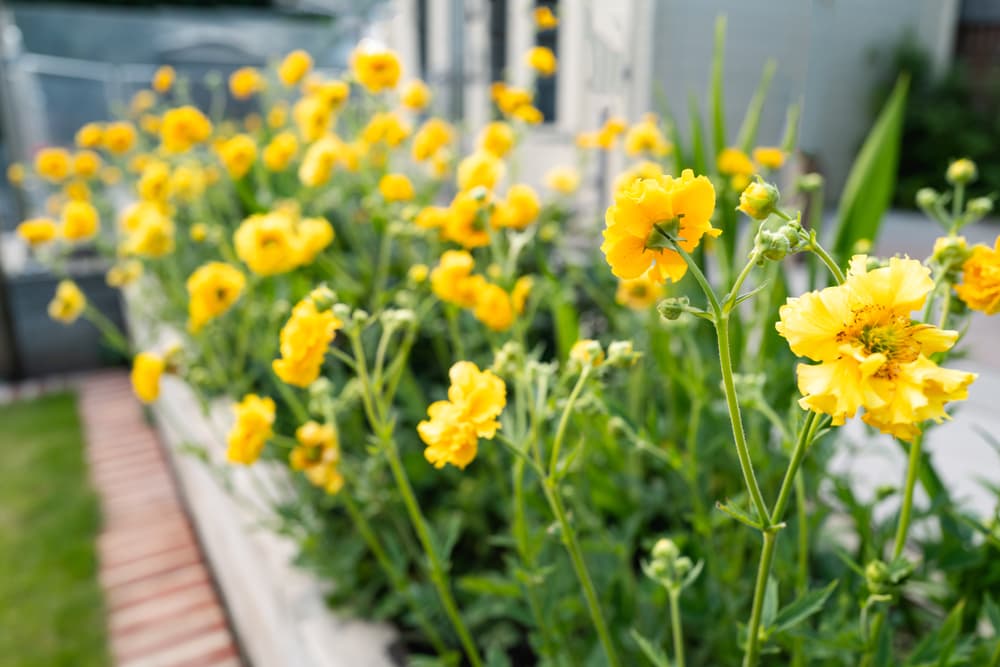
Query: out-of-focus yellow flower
[528, 114]
[142, 101]
[53, 164]
[187, 182]
[183, 128]
[735, 164]
[319, 161]
[632, 240]
[396, 187]
[541, 59]
[305, 339]
[294, 67]
[245, 82]
[615, 125]
[388, 128]
[318, 456]
[268, 243]
[475, 400]
[86, 164]
[212, 290]
[154, 184]
[198, 232]
[147, 367]
[418, 273]
[163, 79]
[646, 137]
[980, 288]
[564, 180]
[587, 352]
[496, 138]
[518, 209]
[153, 238]
[278, 154]
[493, 307]
[432, 136]
[441, 164]
[432, 217]
[639, 293]
[16, 173]
[111, 175]
[644, 169]
[315, 234]
[522, 290]
[467, 223]
[277, 116]
[769, 157]
[961, 172]
[481, 169]
[238, 155]
[450, 278]
[333, 93]
[77, 191]
[118, 138]
[124, 273]
[89, 135]
[510, 98]
[68, 303]
[587, 140]
[375, 68]
[544, 18]
[134, 214]
[312, 117]
[254, 425]
[415, 95]
[37, 231]
[80, 221]
[871, 354]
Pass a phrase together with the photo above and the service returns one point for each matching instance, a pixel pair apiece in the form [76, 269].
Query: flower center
[880, 331]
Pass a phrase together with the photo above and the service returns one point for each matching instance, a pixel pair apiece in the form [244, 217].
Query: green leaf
[653, 653]
[566, 319]
[938, 645]
[697, 140]
[805, 606]
[732, 510]
[489, 584]
[770, 610]
[716, 103]
[751, 119]
[872, 178]
[791, 136]
[992, 613]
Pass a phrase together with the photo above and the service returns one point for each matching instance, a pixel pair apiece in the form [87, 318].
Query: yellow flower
[493, 307]
[124, 273]
[479, 169]
[183, 128]
[450, 279]
[318, 456]
[86, 164]
[587, 352]
[646, 137]
[639, 293]
[418, 273]
[118, 138]
[541, 59]
[312, 117]
[871, 354]
[37, 231]
[519, 209]
[154, 184]
[89, 136]
[332, 93]
[389, 128]
[187, 182]
[475, 400]
[980, 288]
[522, 290]
[245, 82]
[305, 339]
[77, 191]
[79, 221]
[432, 217]
[238, 155]
[315, 234]
[415, 95]
[375, 68]
[564, 180]
[496, 138]
[198, 232]
[154, 236]
[544, 18]
[396, 187]
[212, 289]
[268, 243]
[134, 214]
[466, 223]
[277, 116]
[528, 114]
[53, 164]
[254, 424]
[68, 303]
[147, 368]
[278, 154]
[163, 79]
[320, 159]
[632, 240]
[294, 67]
[758, 199]
[961, 171]
[769, 157]
[735, 164]
[143, 100]
[432, 136]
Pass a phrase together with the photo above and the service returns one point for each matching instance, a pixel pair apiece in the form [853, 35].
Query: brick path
[163, 610]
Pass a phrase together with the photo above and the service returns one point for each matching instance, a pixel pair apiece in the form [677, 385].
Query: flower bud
[759, 199]
[548, 232]
[507, 358]
[622, 354]
[587, 352]
[672, 308]
[417, 273]
[810, 182]
[359, 316]
[961, 172]
[980, 206]
[772, 245]
[665, 549]
[950, 252]
[877, 577]
[323, 298]
[342, 311]
[927, 197]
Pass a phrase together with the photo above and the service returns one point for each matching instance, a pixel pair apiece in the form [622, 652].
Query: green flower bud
[672, 308]
[961, 172]
[342, 311]
[877, 577]
[980, 206]
[622, 354]
[927, 197]
[772, 245]
[810, 182]
[759, 199]
[323, 298]
[665, 550]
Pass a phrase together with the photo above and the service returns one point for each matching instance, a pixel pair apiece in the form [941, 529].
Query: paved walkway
[163, 609]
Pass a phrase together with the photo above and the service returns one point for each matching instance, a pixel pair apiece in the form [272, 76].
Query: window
[545, 87]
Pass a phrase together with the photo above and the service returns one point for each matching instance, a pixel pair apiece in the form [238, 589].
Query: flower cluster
[317, 456]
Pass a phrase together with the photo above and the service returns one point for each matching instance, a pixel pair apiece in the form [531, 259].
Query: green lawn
[51, 608]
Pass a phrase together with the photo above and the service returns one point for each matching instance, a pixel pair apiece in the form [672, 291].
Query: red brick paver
[163, 610]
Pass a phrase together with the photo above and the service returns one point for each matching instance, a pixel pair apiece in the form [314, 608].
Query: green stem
[564, 419]
[108, 329]
[675, 624]
[381, 269]
[831, 264]
[956, 206]
[995, 659]
[752, 652]
[788, 483]
[906, 510]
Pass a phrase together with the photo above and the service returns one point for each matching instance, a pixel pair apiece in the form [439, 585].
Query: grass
[51, 608]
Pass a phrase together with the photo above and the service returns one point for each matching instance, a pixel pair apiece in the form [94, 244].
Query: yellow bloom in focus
[496, 138]
[633, 242]
[564, 180]
[37, 231]
[769, 157]
[639, 293]
[312, 117]
[758, 199]
[466, 223]
[212, 290]
[450, 278]
[396, 187]
[294, 67]
[871, 354]
[980, 288]
[544, 18]
[118, 138]
[163, 79]
[80, 221]
[254, 424]
[238, 155]
[268, 243]
[475, 400]
[147, 368]
[519, 209]
[89, 136]
[278, 154]
[123, 273]
[183, 128]
[388, 128]
[432, 136]
[86, 164]
[735, 164]
[479, 169]
[375, 68]
[415, 95]
[646, 137]
[245, 82]
[53, 164]
[541, 59]
[305, 339]
[493, 307]
[318, 456]
[68, 303]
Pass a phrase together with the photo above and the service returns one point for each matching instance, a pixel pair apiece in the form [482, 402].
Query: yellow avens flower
[118, 138]
[279, 153]
[496, 138]
[639, 293]
[37, 231]
[479, 169]
[564, 180]
[124, 273]
[312, 117]
[396, 187]
[475, 400]
[735, 164]
[646, 138]
[388, 128]
[544, 18]
[268, 243]
[633, 242]
[644, 169]
[980, 288]
[415, 95]
[332, 93]
[432, 217]
[320, 159]
[305, 339]
[466, 223]
[187, 182]
[89, 136]
[86, 164]
[758, 199]
[147, 367]
[238, 155]
[294, 67]
[519, 209]
[133, 215]
[315, 234]
[153, 238]
[183, 128]
[318, 456]
[528, 114]
[68, 303]
[541, 59]
[154, 184]
[277, 116]
[245, 82]
[432, 136]
[769, 157]
[77, 191]
[163, 79]
[53, 164]
[80, 221]
[254, 424]
[375, 68]
[871, 354]
[212, 290]
[450, 279]
[493, 306]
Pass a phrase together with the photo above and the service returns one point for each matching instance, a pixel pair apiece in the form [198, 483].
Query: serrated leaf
[805, 606]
